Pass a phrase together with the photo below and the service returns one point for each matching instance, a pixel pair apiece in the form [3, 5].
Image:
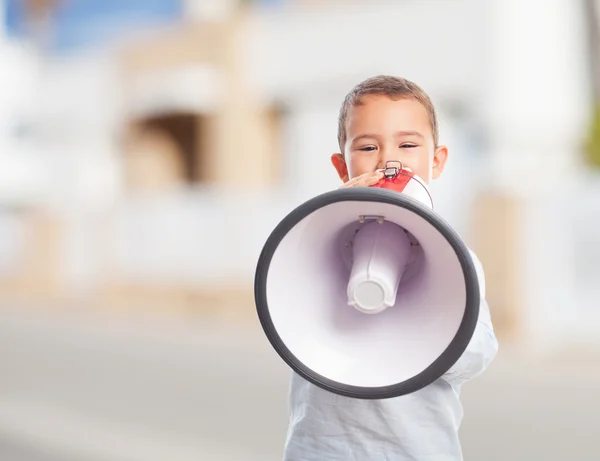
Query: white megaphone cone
[366, 291]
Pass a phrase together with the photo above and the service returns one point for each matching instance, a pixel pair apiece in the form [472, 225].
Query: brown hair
[393, 87]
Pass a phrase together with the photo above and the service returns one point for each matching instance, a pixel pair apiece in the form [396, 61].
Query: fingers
[371, 179]
[365, 180]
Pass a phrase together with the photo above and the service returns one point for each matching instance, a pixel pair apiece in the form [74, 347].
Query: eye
[367, 148]
[408, 145]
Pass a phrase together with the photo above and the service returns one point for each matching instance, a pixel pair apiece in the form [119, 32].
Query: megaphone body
[367, 292]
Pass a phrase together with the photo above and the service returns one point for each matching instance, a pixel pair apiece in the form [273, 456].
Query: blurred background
[148, 148]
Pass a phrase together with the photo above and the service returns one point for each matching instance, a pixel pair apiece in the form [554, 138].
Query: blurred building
[153, 145]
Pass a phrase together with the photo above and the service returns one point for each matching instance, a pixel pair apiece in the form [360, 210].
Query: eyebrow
[409, 133]
[364, 136]
[397, 133]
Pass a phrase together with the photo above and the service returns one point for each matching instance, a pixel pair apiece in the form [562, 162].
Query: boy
[387, 118]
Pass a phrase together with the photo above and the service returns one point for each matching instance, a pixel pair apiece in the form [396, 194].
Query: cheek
[421, 165]
[362, 164]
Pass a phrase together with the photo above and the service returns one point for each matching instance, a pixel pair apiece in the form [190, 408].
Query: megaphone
[366, 291]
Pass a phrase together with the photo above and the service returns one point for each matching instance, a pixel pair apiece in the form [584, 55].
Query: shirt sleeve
[483, 347]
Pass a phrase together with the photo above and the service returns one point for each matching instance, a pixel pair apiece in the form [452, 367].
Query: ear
[439, 161]
[339, 163]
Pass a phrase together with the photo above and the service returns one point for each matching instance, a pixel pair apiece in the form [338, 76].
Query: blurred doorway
[166, 151]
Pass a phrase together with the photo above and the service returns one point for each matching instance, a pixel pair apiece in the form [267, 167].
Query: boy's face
[382, 129]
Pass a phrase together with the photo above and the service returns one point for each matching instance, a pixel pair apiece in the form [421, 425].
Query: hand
[364, 180]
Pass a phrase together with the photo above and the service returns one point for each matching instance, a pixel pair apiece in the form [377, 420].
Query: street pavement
[82, 386]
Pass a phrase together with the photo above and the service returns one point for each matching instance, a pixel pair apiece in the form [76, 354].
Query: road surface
[83, 387]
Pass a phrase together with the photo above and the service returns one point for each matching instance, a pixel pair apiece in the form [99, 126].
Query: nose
[388, 158]
[383, 161]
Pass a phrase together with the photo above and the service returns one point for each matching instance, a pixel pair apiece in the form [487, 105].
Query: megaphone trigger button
[390, 172]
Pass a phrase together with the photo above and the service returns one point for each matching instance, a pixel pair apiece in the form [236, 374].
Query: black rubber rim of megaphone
[440, 366]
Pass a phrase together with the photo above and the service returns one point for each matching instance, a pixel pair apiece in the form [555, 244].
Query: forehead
[380, 113]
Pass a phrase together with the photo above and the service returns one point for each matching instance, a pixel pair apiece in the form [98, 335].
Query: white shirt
[422, 426]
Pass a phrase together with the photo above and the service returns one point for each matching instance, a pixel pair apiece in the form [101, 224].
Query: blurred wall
[154, 166]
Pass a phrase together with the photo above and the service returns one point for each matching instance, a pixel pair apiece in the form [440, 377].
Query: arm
[483, 346]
